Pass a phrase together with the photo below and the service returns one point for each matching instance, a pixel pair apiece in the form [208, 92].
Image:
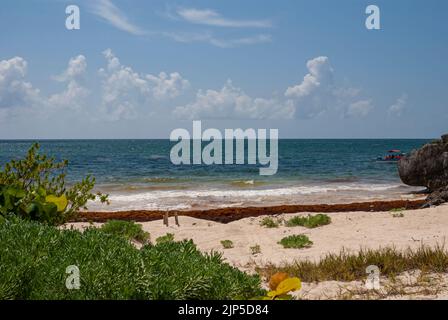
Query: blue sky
[139, 69]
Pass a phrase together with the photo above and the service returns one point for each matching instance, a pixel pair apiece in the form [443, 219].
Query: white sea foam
[298, 190]
[216, 198]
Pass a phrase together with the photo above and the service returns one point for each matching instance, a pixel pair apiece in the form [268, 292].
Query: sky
[140, 69]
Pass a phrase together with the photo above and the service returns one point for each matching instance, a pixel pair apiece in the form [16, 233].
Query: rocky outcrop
[428, 167]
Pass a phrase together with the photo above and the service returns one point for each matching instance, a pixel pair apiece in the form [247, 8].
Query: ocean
[139, 175]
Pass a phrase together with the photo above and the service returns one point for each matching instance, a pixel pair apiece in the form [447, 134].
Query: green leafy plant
[310, 221]
[34, 188]
[296, 241]
[255, 249]
[227, 244]
[127, 229]
[268, 222]
[34, 258]
[169, 237]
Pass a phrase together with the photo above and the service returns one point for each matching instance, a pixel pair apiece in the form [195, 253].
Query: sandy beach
[348, 231]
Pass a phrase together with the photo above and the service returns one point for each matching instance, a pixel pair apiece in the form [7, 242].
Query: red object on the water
[394, 151]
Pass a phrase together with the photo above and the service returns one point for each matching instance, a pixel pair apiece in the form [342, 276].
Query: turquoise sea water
[139, 174]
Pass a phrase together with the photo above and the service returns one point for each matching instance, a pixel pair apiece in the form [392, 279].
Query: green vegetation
[349, 267]
[296, 241]
[227, 244]
[268, 222]
[255, 249]
[398, 215]
[34, 258]
[127, 229]
[169, 237]
[34, 188]
[310, 221]
[397, 209]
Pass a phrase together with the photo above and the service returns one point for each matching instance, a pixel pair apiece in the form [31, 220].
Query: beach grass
[310, 221]
[347, 266]
[296, 242]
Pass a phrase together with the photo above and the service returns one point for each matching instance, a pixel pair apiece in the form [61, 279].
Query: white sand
[350, 231]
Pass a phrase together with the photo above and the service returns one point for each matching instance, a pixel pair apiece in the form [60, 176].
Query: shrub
[34, 258]
[34, 188]
[127, 229]
[296, 241]
[268, 222]
[227, 244]
[169, 237]
[310, 221]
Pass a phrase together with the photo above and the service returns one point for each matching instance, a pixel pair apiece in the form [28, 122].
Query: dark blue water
[143, 168]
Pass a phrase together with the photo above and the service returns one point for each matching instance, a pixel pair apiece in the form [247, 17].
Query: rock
[437, 197]
[428, 167]
[445, 138]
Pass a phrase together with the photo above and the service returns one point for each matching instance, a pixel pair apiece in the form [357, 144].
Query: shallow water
[138, 174]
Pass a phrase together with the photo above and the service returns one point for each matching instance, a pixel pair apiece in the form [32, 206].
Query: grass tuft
[169, 237]
[227, 244]
[268, 222]
[127, 229]
[310, 221]
[349, 267]
[296, 242]
[255, 249]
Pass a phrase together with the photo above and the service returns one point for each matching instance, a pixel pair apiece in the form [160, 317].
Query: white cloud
[207, 37]
[359, 108]
[212, 18]
[124, 91]
[113, 15]
[398, 107]
[74, 95]
[231, 102]
[76, 68]
[320, 74]
[318, 93]
[15, 92]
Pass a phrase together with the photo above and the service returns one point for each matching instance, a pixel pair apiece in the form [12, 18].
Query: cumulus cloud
[212, 18]
[318, 93]
[75, 93]
[232, 102]
[125, 90]
[398, 107]
[320, 75]
[16, 93]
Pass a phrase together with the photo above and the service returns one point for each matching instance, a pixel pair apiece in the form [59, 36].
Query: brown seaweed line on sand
[226, 215]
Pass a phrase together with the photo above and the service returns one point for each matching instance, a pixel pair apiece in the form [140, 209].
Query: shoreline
[230, 214]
